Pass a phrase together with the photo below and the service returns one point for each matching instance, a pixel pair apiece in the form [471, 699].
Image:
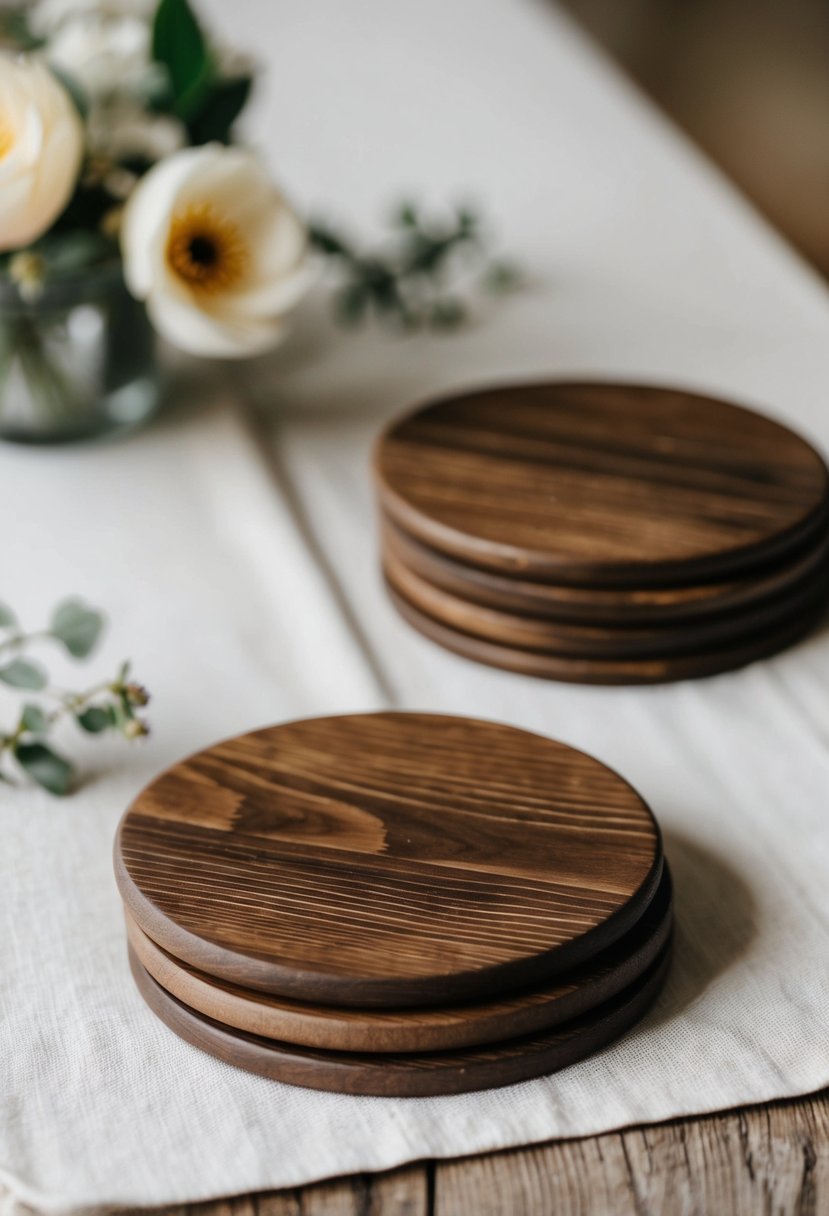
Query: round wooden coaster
[606, 671]
[387, 859]
[430, 1029]
[607, 605]
[601, 483]
[410, 1075]
[596, 641]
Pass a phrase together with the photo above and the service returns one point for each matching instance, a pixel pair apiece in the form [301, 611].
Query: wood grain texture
[609, 605]
[770, 1159]
[400, 1192]
[600, 483]
[418, 1030]
[600, 641]
[410, 1075]
[606, 670]
[387, 859]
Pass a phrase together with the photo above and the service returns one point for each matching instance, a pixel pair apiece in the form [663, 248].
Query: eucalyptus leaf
[7, 617]
[96, 718]
[328, 242]
[409, 282]
[45, 767]
[501, 277]
[34, 719]
[21, 673]
[77, 626]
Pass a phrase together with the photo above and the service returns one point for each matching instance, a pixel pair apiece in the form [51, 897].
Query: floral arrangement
[106, 706]
[116, 141]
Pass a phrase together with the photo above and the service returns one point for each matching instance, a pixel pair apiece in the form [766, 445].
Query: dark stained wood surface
[411, 1075]
[387, 859]
[608, 671]
[770, 1159]
[601, 483]
[593, 641]
[608, 605]
[429, 1029]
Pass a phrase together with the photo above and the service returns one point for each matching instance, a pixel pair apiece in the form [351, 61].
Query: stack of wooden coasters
[603, 533]
[395, 904]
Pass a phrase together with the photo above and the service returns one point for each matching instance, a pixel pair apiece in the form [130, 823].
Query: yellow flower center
[206, 250]
[7, 140]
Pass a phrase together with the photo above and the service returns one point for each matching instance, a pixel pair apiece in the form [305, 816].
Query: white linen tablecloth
[233, 546]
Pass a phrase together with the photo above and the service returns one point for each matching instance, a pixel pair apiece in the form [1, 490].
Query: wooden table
[769, 1159]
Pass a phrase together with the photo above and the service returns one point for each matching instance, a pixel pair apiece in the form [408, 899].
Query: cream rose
[215, 250]
[41, 146]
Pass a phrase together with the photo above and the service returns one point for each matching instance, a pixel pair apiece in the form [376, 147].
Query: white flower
[45, 17]
[104, 54]
[41, 146]
[215, 250]
[123, 129]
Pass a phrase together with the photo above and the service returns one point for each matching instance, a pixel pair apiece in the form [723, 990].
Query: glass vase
[77, 361]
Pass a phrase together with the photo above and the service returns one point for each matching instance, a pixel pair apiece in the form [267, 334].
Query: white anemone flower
[215, 250]
[41, 147]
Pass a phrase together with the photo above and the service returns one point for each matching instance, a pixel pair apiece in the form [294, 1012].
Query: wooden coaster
[432, 1029]
[387, 859]
[596, 484]
[606, 671]
[607, 605]
[596, 641]
[410, 1075]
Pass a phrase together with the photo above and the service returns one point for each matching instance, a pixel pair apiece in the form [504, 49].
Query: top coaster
[387, 859]
[601, 484]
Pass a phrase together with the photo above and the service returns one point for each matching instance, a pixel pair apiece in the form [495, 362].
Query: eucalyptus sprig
[109, 705]
[413, 282]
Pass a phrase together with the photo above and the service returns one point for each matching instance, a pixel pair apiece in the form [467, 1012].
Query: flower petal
[199, 332]
[147, 217]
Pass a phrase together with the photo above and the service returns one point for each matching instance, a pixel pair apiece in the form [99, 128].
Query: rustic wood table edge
[772, 1158]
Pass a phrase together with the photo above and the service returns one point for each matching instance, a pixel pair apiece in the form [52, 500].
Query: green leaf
[7, 617]
[501, 277]
[15, 32]
[34, 719]
[44, 766]
[68, 252]
[447, 314]
[327, 242]
[219, 110]
[123, 672]
[350, 304]
[20, 673]
[179, 44]
[96, 718]
[406, 215]
[77, 626]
